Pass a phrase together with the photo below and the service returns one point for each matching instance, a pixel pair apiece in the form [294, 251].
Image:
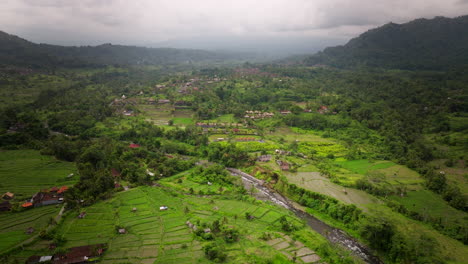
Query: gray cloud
[145, 22]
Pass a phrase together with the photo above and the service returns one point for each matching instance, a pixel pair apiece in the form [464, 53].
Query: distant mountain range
[433, 44]
[20, 52]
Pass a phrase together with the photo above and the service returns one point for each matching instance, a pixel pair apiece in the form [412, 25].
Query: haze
[275, 26]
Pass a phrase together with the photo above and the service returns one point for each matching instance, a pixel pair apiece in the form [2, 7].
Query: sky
[295, 26]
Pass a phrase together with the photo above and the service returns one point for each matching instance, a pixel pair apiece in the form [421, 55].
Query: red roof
[134, 145]
[115, 172]
[62, 189]
[53, 189]
[25, 205]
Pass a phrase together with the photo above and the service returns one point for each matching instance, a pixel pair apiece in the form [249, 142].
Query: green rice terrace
[129, 155]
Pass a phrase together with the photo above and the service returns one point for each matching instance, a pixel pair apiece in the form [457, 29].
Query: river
[334, 235]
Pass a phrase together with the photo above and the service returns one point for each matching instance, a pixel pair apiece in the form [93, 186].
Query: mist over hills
[433, 44]
[20, 52]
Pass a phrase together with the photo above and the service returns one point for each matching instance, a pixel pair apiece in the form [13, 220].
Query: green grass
[385, 173]
[364, 166]
[25, 172]
[228, 118]
[184, 121]
[313, 181]
[427, 203]
[156, 236]
[13, 225]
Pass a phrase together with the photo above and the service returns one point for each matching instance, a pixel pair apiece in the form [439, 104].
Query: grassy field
[157, 114]
[155, 236]
[417, 201]
[454, 251]
[380, 172]
[313, 181]
[25, 172]
[13, 226]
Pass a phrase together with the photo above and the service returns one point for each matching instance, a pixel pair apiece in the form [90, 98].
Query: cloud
[151, 21]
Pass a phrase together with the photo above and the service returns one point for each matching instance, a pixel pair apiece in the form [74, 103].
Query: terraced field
[383, 172]
[14, 226]
[313, 181]
[25, 172]
[155, 236]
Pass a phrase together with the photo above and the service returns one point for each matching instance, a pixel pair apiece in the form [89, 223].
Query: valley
[204, 157]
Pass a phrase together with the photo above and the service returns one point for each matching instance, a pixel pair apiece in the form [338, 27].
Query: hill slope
[437, 43]
[20, 52]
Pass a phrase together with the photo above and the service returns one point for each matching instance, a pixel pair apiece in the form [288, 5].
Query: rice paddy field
[155, 236]
[314, 181]
[381, 172]
[417, 201]
[157, 114]
[14, 225]
[25, 172]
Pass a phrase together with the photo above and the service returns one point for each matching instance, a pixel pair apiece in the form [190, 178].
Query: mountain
[438, 43]
[20, 52]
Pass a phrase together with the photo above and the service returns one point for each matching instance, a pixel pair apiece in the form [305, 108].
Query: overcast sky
[290, 24]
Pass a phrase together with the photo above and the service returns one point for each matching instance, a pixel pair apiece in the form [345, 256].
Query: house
[27, 205]
[123, 96]
[323, 109]
[115, 172]
[79, 254]
[133, 145]
[5, 206]
[285, 112]
[264, 158]
[62, 190]
[134, 209]
[163, 208]
[53, 189]
[44, 198]
[283, 165]
[122, 231]
[8, 196]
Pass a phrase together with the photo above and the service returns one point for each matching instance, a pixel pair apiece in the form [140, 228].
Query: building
[264, 158]
[45, 198]
[283, 165]
[62, 190]
[27, 205]
[115, 172]
[8, 196]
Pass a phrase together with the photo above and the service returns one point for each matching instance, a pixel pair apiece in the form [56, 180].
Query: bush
[214, 252]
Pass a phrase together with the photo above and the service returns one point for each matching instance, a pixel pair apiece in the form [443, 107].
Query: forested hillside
[162, 161]
[432, 44]
[20, 52]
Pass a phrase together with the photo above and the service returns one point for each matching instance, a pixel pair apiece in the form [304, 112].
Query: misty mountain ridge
[432, 44]
[20, 52]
